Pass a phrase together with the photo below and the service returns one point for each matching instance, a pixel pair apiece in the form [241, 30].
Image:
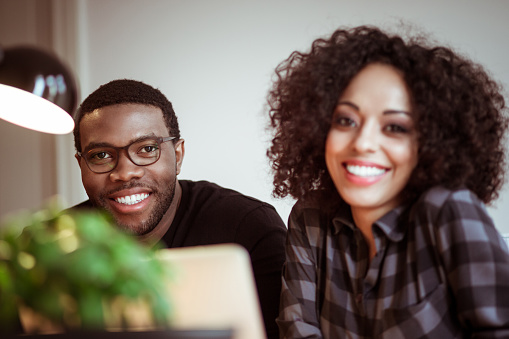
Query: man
[130, 153]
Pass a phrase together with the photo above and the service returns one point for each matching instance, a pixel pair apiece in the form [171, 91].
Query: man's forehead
[123, 113]
[120, 124]
[123, 108]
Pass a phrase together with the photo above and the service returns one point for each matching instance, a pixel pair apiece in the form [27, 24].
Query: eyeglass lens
[141, 153]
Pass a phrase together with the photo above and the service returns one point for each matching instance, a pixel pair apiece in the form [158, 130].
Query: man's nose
[126, 170]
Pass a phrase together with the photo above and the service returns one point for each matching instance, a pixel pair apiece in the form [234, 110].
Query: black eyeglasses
[142, 153]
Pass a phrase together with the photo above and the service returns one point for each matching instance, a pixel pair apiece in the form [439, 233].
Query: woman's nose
[367, 138]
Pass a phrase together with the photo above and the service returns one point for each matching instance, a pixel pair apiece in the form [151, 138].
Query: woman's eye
[344, 122]
[393, 128]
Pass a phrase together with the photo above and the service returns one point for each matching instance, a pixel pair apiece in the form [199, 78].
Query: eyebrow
[106, 144]
[389, 111]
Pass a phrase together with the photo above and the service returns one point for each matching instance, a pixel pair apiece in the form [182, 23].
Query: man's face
[136, 196]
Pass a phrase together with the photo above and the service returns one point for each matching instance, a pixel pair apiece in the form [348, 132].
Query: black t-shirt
[209, 214]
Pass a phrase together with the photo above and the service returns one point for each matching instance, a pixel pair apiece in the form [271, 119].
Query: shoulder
[439, 194]
[314, 205]
[456, 216]
[228, 204]
[452, 204]
[310, 218]
[306, 212]
[457, 223]
[207, 191]
[319, 204]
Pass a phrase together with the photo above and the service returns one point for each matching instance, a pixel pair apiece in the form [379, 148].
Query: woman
[392, 148]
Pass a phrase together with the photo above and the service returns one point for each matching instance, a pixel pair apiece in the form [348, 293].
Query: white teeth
[364, 171]
[132, 199]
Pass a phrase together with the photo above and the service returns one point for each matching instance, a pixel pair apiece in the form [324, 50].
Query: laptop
[167, 334]
[212, 293]
[213, 288]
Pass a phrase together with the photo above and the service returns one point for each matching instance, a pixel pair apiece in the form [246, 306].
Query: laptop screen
[214, 288]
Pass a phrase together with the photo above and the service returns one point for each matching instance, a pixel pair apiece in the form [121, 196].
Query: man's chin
[140, 228]
[127, 224]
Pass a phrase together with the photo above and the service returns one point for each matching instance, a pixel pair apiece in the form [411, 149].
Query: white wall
[214, 60]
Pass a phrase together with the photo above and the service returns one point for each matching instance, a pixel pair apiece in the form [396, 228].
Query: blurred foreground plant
[77, 270]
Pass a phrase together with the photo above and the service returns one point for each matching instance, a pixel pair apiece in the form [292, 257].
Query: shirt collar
[342, 217]
[390, 224]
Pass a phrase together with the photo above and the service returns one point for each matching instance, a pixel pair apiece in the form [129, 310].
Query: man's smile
[132, 199]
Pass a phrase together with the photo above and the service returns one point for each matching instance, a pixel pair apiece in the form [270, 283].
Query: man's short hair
[126, 91]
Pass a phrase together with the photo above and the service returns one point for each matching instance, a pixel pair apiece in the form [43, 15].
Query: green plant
[77, 270]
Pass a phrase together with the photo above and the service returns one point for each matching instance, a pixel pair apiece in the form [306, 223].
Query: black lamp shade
[40, 75]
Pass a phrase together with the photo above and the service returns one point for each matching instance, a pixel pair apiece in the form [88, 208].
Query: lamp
[37, 91]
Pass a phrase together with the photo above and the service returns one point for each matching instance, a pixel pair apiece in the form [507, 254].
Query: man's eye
[148, 149]
[99, 156]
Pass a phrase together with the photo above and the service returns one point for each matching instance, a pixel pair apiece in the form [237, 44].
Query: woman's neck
[364, 221]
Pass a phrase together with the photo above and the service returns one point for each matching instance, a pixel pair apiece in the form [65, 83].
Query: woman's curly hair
[460, 114]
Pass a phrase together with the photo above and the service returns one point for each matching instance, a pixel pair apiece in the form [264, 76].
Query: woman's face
[371, 147]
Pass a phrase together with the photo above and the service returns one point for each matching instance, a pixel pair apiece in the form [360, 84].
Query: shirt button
[358, 298]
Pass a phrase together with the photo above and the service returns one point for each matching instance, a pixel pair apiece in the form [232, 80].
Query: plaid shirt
[441, 271]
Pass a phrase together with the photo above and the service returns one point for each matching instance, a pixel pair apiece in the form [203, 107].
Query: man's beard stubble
[163, 202]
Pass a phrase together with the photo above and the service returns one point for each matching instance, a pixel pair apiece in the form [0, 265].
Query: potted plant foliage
[75, 271]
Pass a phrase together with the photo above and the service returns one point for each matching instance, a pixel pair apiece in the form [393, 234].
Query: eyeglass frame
[159, 141]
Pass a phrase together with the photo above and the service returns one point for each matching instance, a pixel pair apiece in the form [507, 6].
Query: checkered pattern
[441, 271]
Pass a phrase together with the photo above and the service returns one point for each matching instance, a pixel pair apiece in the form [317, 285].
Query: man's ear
[78, 158]
[179, 155]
